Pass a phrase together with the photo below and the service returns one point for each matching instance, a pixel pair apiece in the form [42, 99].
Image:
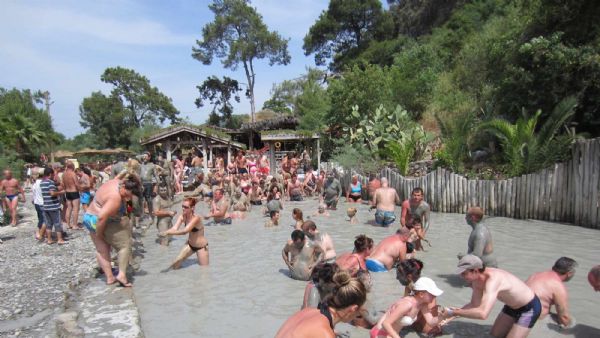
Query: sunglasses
[185, 207]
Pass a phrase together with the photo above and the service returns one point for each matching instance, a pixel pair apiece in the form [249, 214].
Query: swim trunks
[256, 202]
[224, 221]
[72, 195]
[375, 332]
[526, 315]
[355, 198]
[86, 197]
[11, 197]
[375, 266]
[296, 198]
[242, 171]
[384, 218]
[89, 222]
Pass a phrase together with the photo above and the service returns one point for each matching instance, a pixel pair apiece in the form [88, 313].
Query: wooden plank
[510, 198]
[451, 192]
[589, 163]
[501, 194]
[492, 197]
[595, 185]
[553, 199]
[460, 195]
[537, 187]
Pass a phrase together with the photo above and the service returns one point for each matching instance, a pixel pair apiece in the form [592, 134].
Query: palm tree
[526, 150]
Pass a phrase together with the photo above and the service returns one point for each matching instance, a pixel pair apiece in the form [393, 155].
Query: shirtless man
[240, 203]
[480, 240]
[11, 187]
[71, 188]
[108, 228]
[372, 186]
[148, 174]
[294, 189]
[165, 173]
[549, 286]
[219, 207]
[332, 190]
[416, 206]
[309, 185]
[385, 200]
[522, 307]
[301, 256]
[594, 278]
[162, 212]
[323, 240]
[84, 185]
[241, 163]
[389, 251]
[198, 161]
[202, 189]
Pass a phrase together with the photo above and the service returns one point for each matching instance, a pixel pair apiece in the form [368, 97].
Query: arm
[285, 255]
[478, 244]
[400, 309]
[158, 212]
[187, 229]
[397, 200]
[561, 303]
[481, 309]
[21, 191]
[404, 213]
[174, 227]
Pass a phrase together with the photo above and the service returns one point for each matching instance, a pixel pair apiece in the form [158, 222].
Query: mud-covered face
[162, 191]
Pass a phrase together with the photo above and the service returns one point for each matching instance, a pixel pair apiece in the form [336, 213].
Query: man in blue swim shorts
[389, 251]
[522, 307]
[385, 200]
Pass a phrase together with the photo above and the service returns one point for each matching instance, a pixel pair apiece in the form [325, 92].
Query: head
[330, 175]
[347, 297]
[426, 290]
[188, 205]
[7, 174]
[219, 194]
[130, 185]
[70, 165]
[274, 214]
[363, 244]
[470, 267]
[354, 179]
[474, 215]
[297, 214]
[322, 276]
[414, 221]
[48, 172]
[417, 195]
[163, 191]
[310, 228]
[594, 278]
[384, 182]
[565, 267]
[298, 238]
[403, 233]
[408, 271]
[351, 212]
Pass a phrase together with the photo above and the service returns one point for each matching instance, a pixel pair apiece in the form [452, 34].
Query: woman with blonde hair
[343, 304]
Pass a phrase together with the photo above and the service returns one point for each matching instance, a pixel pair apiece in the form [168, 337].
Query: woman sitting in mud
[196, 243]
[355, 261]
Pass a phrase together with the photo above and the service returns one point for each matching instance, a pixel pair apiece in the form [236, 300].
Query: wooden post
[167, 149]
[205, 155]
[228, 154]
[272, 162]
[318, 155]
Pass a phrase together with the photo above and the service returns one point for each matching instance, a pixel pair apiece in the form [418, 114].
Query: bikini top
[325, 312]
[355, 188]
[407, 321]
[194, 229]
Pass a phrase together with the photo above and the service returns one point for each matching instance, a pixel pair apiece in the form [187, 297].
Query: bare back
[507, 288]
[69, 181]
[548, 287]
[386, 199]
[389, 250]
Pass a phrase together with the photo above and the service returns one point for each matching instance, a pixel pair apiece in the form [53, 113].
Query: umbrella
[62, 154]
[88, 151]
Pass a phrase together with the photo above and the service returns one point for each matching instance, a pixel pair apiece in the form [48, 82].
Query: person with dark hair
[301, 255]
[322, 239]
[85, 185]
[71, 186]
[298, 216]
[219, 207]
[404, 312]
[107, 225]
[416, 206]
[11, 187]
[522, 307]
[273, 219]
[407, 272]
[163, 215]
[343, 304]
[549, 286]
[320, 284]
[594, 278]
[480, 241]
[354, 261]
[50, 193]
[193, 226]
[149, 176]
[332, 190]
[294, 188]
[389, 251]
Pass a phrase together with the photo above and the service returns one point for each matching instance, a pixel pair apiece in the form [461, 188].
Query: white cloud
[58, 21]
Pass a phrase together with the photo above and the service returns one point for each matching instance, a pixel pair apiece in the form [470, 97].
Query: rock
[66, 325]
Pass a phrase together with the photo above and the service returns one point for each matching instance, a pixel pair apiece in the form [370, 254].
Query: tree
[219, 94]
[345, 28]
[141, 102]
[107, 120]
[238, 35]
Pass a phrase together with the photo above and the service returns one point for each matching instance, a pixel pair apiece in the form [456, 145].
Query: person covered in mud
[320, 284]
[301, 255]
[417, 234]
[389, 251]
[162, 212]
[322, 239]
[192, 225]
[594, 278]
[218, 208]
[298, 217]
[108, 227]
[332, 190]
[343, 304]
[255, 194]
[480, 240]
[415, 206]
[240, 203]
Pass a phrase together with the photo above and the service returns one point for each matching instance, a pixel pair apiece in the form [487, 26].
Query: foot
[50, 242]
[62, 242]
[124, 283]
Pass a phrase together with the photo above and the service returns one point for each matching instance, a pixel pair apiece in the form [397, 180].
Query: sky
[64, 46]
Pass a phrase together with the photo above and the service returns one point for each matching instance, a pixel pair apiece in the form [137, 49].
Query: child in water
[298, 217]
[273, 220]
[351, 212]
[322, 210]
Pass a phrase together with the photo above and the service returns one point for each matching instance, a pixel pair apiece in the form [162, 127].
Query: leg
[68, 212]
[518, 331]
[185, 252]
[202, 256]
[118, 235]
[502, 325]
[74, 214]
[13, 211]
[103, 257]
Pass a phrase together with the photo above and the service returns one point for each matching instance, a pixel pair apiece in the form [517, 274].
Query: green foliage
[219, 94]
[139, 134]
[346, 27]
[239, 36]
[380, 128]
[356, 158]
[456, 134]
[526, 150]
[106, 121]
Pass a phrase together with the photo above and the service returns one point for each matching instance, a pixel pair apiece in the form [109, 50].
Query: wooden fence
[567, 192]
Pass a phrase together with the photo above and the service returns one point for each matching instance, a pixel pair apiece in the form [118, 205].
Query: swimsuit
[11, 197]
[375, 266]
[72, 195]
[381, 332]
[86, 197]
[526, 315]
[354, 198]
[194, 249]
[89, 222]
[224, 221]
[384, 218]
[325, 312]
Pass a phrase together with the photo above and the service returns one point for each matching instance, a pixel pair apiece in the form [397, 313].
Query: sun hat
[427, 284]
[468, 262]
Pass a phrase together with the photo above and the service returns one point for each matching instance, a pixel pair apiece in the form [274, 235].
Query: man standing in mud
[162, 212]
[332, 191]
[480, 240]
[385, 201]
[149, 177]
[301, 256]
[11, 187]
[416, 206]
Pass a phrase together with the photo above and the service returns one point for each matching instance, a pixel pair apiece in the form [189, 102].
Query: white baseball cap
[427, 284]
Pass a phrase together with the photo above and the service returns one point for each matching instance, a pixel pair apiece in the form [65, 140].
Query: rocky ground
[51, 290]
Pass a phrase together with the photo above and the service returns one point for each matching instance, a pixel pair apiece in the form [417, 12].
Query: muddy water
[246, 291]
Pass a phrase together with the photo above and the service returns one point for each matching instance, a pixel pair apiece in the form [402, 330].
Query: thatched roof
[62, 154]
[281, 122]
[202, 132]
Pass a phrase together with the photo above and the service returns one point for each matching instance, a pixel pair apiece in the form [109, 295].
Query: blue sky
[64, 46]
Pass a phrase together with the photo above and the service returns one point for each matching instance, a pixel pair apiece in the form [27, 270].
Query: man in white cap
[522, 307]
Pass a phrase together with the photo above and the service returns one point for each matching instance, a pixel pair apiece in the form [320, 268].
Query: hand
[162, 233]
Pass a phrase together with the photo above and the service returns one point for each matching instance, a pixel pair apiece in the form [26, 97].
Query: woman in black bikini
[342, 305]
[196, 243]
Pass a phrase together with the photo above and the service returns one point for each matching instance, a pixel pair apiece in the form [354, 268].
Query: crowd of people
[133, 193]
